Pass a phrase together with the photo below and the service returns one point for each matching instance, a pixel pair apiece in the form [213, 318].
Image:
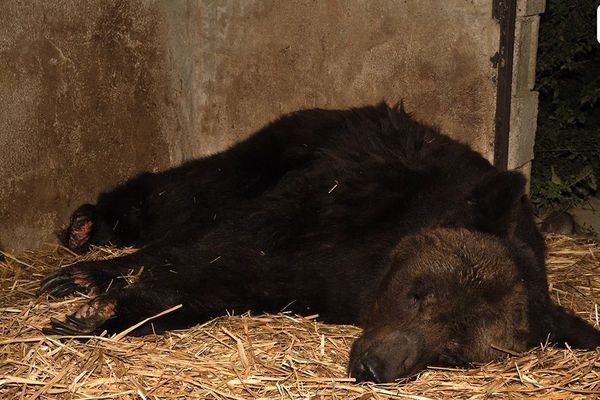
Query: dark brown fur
[363, 216]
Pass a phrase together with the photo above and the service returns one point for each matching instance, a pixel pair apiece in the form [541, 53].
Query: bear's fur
[363, 216]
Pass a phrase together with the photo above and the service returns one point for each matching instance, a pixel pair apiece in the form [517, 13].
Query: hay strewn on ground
[270, 357]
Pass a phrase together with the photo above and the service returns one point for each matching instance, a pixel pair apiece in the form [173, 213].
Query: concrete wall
[86, 101]
[94, 91]
[524, 103]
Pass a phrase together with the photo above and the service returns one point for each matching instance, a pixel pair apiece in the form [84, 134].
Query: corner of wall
[524, 101]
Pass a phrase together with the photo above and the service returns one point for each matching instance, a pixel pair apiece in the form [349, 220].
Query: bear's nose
[369, 370]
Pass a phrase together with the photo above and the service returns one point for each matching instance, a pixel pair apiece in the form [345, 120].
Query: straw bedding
[271, 357]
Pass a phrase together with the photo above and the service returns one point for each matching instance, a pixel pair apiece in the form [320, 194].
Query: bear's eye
[421, 292]
[420, 299]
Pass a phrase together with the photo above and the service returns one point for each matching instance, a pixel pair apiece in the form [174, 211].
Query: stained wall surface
[95, 91]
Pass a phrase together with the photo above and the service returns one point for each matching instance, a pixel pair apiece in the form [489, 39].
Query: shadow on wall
[94, 92]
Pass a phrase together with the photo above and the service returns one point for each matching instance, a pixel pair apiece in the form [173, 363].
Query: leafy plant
[566, 167]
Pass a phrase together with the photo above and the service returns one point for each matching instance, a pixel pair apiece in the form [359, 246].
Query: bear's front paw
[77, 236]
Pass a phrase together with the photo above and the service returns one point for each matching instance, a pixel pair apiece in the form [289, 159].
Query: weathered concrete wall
[85, 103]
[94, 91]
[249, 61]
[524, 103]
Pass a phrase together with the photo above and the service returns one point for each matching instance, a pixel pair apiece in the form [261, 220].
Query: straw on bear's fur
[269, 356]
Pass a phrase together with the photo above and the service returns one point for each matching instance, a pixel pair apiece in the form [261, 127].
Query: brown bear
[363, 216]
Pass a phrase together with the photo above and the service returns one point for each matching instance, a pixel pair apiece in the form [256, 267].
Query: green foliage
[566, 168]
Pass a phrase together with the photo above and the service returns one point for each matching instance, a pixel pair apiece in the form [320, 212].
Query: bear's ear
[497, 201]
[569, 328]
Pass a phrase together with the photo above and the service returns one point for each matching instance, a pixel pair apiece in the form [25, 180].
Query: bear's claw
[76, 236]
[85, 321]
[63, 282]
